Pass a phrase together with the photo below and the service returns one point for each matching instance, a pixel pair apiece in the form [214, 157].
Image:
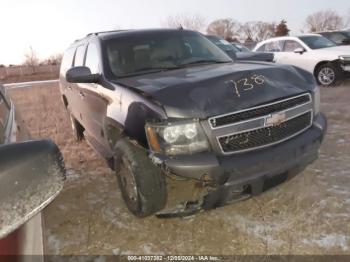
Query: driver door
[289, 56]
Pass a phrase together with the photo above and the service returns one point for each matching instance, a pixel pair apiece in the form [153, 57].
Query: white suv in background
[312, 52]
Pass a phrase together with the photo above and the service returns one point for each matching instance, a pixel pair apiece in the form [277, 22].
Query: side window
[92, 60]
[261, 48]
[4, 113]
[79, 56]
[67, 60]
[275, 46]
[290, 46]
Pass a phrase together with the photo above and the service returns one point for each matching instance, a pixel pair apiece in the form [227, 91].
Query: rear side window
[92, 60]
[261, 48]
[4, 114]
[79, 56]
[67, 60]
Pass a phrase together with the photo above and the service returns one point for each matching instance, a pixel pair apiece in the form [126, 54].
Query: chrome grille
[266, 135]
[227, 119]
[261, 126]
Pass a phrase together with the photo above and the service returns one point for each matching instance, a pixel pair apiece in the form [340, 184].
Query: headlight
[176, 138]
[317, 100]
[344, 58]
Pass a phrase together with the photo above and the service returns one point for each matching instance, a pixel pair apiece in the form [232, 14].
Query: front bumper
[243, 175]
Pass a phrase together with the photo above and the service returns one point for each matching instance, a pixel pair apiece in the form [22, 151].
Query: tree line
[256, 31]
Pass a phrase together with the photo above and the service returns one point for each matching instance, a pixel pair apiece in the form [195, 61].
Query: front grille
[266, 135]
[259, 111]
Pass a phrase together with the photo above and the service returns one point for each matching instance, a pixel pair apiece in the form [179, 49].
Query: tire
[78, 129]
[327, 75]
[142, 184]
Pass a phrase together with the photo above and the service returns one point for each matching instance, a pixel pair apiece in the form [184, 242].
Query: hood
[335, 51]
[255, 56]
[209, 90]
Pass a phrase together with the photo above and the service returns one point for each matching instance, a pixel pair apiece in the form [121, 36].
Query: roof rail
[101, 32]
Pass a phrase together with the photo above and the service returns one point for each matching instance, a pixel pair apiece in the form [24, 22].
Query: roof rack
[101, 32]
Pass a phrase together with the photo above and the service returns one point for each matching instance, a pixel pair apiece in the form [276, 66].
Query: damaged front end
[245, 152]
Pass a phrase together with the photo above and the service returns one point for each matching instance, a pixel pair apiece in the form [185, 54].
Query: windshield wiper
[150, 70]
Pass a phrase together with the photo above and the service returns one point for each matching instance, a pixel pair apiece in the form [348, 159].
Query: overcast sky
[49, 26]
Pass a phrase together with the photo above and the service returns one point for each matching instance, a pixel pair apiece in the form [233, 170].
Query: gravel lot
[308, 215]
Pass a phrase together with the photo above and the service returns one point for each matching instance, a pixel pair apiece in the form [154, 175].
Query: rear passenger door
[77, 106]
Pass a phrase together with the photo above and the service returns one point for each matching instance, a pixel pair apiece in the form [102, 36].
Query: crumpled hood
[209, 90]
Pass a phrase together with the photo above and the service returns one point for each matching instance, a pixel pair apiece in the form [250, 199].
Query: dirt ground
[308, 215]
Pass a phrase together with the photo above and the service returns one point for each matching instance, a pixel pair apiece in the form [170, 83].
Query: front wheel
[141, 183]
[327, 75]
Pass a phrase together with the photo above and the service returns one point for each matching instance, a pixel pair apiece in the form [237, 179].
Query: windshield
[316, 42]
[148, 52]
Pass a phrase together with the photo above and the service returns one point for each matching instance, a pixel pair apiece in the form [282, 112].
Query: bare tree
[193, 22]
[31, 58]
[258, 30]
[324, 21]
[226, 28]
[55, 59]
[347, 18]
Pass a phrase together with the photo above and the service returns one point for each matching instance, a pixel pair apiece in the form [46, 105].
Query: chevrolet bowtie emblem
[275, 119]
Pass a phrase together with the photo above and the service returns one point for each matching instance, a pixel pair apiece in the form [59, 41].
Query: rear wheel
[141, 183]
[327, 75]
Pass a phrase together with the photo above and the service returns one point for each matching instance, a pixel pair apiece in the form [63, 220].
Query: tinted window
[79, 56]
[290, 46]
[92, 60]
[337, 38]
[137, 54]
[67, 60]
[4, 113]
[316, 42]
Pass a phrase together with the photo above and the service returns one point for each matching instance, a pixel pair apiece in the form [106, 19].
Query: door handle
[81, 94]
[69, 87]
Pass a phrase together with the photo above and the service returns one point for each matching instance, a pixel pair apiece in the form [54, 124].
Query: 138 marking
[246, 84]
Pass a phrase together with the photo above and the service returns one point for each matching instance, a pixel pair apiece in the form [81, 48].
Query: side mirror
[31, 175]
[81, 74]
[299, 50]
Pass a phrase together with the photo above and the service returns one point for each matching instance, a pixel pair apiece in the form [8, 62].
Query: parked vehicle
[31, 176]
[241, 47]
[236, 54]
[312, 52]
[337, 37]
[157, 103]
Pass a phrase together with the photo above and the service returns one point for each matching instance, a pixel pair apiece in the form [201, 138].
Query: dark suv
[337, 37]
[157, 103]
